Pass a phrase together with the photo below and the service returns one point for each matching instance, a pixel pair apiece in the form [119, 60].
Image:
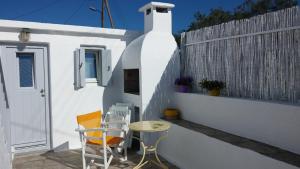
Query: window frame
[98, 51]
[33, 76]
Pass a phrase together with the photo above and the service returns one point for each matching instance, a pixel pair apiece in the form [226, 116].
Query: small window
[148, 11]
[92, 65]
[161, 10]
[131, 81]
[26, 69]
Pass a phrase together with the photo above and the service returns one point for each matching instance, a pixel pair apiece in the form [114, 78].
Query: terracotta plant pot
[214, 92]
[171, 114]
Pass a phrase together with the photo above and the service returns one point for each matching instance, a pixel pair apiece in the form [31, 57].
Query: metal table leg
[142, 163]
[151, 149]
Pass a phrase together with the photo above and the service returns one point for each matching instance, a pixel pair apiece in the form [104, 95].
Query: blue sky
[125, 12]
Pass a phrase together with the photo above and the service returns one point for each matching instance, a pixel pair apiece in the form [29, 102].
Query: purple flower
[185, 81]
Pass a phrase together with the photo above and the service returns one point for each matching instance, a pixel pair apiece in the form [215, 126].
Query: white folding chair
[130, 106]
[104, 135]
[113, 116]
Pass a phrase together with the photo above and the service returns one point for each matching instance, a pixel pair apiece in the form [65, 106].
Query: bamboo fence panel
[257, 58]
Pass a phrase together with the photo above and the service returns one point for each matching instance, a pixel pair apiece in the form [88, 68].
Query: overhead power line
[105, 5]
[38, 9]
[120, 14]
[75, 12]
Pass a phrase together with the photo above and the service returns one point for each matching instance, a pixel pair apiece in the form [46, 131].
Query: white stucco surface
[155, 55]
[5, 155]
[131, 59]
[271, 123]
[155, 21]
[158, 72]
[192, 150]
[67, 103]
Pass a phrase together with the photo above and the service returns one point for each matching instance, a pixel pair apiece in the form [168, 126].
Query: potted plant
[171, 114]
[184, 84]
[213, 86]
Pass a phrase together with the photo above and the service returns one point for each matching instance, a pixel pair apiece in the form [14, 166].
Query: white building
[62, 71]
[51, 73]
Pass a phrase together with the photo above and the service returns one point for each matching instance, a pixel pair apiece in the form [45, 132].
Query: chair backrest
[130, 107]
[91, 120]
[118, 113]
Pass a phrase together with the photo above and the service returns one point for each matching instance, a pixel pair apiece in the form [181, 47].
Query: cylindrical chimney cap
[156, 4]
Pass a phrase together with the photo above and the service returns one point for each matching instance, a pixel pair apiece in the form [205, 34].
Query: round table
[150, 127]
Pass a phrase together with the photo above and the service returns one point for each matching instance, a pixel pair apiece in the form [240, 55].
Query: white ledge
[49, 28]
[244, 99]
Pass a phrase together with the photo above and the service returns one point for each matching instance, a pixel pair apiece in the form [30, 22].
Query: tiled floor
[72, 160]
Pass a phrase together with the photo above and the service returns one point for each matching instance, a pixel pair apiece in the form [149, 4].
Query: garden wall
[271, 123]
[188, 149]
[258, 58]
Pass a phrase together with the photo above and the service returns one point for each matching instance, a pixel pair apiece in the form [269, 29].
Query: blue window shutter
[106, 67]
[99, 67]
[79, 69]
[82, 67]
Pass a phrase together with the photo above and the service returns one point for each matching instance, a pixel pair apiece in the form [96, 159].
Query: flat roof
[50, 28]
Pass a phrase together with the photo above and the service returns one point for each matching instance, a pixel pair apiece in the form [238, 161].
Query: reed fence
[257, 58]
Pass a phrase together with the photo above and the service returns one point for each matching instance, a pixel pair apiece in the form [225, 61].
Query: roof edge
[51, 28]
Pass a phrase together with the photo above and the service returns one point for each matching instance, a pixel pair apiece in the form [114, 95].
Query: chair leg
[125, 153]
[83, 160]
[104, 151]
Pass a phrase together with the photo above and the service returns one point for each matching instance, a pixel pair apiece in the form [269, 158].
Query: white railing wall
[258, 58]
[5, 154]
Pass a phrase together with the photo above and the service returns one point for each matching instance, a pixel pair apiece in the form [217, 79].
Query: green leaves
[247, 9]
[212, 84]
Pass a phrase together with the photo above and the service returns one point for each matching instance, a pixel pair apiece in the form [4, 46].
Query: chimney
[157, 17]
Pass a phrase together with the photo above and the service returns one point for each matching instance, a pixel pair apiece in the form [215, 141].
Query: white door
[26, 72]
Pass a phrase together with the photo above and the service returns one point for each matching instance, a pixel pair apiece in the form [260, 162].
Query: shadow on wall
[113, 92]
[162, 97]
[3, 87]
[4, 103]
[5, 154]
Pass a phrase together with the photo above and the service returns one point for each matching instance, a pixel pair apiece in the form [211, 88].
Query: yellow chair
[95, 131]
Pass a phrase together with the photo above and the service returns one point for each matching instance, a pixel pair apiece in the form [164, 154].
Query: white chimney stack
[157, 17]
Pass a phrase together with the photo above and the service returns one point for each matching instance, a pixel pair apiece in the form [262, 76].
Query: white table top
[150, 126]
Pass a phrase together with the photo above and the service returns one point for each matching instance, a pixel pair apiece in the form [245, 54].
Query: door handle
[42, 91]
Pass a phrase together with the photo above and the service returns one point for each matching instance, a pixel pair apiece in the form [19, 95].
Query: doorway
[26, 77]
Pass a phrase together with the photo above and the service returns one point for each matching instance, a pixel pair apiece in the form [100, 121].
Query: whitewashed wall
[131, 59]
[159, 67]
[67, 103]
[271, 123]
[192, 150]
[155, 54]
[5, 154]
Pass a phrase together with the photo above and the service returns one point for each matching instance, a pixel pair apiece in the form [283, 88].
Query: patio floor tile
[72, 160]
